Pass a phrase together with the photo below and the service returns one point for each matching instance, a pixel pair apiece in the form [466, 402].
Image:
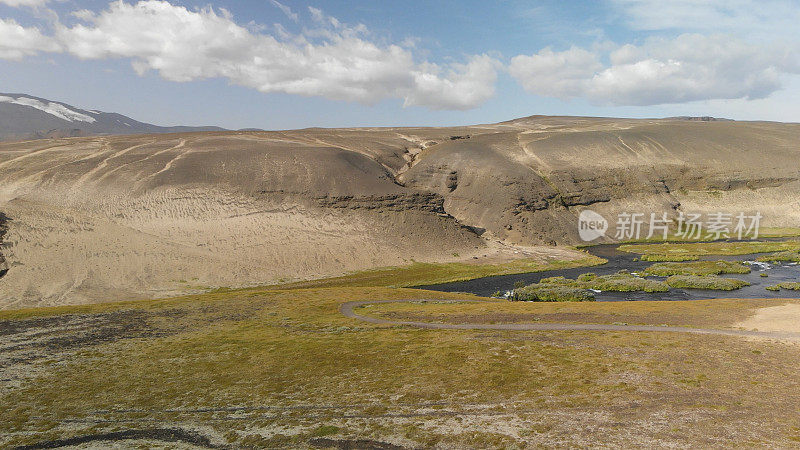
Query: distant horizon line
[687, 118]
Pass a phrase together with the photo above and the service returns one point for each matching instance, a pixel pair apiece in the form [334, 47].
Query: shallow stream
[619, 260]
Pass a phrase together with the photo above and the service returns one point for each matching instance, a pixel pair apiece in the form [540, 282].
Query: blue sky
[295, 64]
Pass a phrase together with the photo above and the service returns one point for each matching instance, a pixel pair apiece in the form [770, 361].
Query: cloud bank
[17, 41]
[334, 60]
[756, 18]
[18, 3]
[337, 61]
[688, 68]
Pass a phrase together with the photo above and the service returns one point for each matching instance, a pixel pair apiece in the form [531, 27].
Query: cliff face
[529, 185]
[107, 218]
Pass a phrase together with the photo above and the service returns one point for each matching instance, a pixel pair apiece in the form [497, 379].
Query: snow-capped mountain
[26, 117]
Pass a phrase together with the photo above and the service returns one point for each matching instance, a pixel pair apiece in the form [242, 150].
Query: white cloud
[747, 50]
[465, 86]
[17, 41]
[688, 68]
[338, 61]
[18, 3]
[758, 18]
[334, 60]
[286, 10]
[555, 74]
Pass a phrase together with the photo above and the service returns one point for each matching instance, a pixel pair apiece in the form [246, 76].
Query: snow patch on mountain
[55, 109]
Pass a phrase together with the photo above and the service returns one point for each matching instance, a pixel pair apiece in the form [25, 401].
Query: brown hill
[104, 218]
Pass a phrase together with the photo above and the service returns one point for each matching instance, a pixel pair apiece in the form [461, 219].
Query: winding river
[619, 260]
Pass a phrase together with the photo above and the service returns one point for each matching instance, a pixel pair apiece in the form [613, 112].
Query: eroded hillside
[108, 218]
[526, 184]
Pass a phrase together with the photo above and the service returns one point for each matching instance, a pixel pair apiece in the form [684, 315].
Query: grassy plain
[280, 366]
[283, 368]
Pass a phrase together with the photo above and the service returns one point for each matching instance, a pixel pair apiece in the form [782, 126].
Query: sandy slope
[114, 218]
[105, 218]
[784, 318]
[60, 255]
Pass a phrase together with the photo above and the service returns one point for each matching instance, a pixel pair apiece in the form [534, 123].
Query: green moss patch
[788, 256]
[789, 285]
[705, 282]
[669, 258]
[544, 293]
[565, 289]
[670, 251]
[699, 268]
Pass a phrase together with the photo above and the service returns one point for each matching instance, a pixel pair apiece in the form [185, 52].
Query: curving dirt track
[348, 310]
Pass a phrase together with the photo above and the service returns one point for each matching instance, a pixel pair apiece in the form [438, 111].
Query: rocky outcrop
[416, 201]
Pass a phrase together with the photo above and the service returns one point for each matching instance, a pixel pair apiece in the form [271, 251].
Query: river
[619, 260]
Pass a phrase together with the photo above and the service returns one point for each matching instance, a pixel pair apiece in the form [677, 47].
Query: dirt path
[348, 310]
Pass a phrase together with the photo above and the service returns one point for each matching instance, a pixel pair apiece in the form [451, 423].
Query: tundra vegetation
[789, 285]
[282, 368]
[787, 256]
[674, 257]
[764, 232]
[580, 289]
[552, 293]
[697, 275]
[700, 268]
[705, 282]
[692, 251]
